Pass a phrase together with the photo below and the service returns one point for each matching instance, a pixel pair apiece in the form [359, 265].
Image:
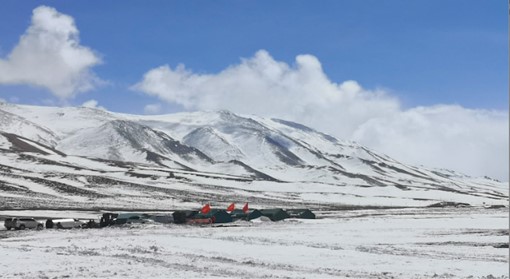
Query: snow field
[355, 244]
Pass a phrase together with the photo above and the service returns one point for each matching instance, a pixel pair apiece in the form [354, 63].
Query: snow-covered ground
[403, 243]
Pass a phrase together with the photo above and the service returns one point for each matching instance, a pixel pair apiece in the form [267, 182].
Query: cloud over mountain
[263, 86]
[472, 141]
[447, 136]
[49, 55]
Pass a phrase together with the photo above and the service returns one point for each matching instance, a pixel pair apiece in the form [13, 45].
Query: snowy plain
[398, 243]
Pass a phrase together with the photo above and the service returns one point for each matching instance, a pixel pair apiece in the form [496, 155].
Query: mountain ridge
[247, 148]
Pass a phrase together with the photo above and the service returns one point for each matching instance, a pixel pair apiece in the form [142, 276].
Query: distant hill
[76, 157]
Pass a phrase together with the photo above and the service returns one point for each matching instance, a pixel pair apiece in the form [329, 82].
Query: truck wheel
[21, 227]
[39, 227]
[9, 228]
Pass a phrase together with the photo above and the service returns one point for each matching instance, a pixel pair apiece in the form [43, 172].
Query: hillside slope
[207, 156]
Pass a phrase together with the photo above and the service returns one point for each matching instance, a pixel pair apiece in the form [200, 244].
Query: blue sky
[424, 52]
[425, 82]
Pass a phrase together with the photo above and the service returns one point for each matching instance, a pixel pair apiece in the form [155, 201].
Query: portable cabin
[181, 216]
[165, 219]
[301, 213]
[275, 214]
[254, 214]
[216, 215]
[239, 214]
[124, 218]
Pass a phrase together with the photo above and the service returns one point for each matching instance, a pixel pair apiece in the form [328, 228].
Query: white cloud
[152, 109]
[92, 104]
[263, 86]
[472, 141]
[440, 136]
[49, 55]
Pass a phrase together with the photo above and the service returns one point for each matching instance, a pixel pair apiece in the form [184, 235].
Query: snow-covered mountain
[267, 159]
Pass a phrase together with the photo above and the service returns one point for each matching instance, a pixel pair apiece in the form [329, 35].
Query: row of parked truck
[210, 216]
[107, 219]
[31, 223]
